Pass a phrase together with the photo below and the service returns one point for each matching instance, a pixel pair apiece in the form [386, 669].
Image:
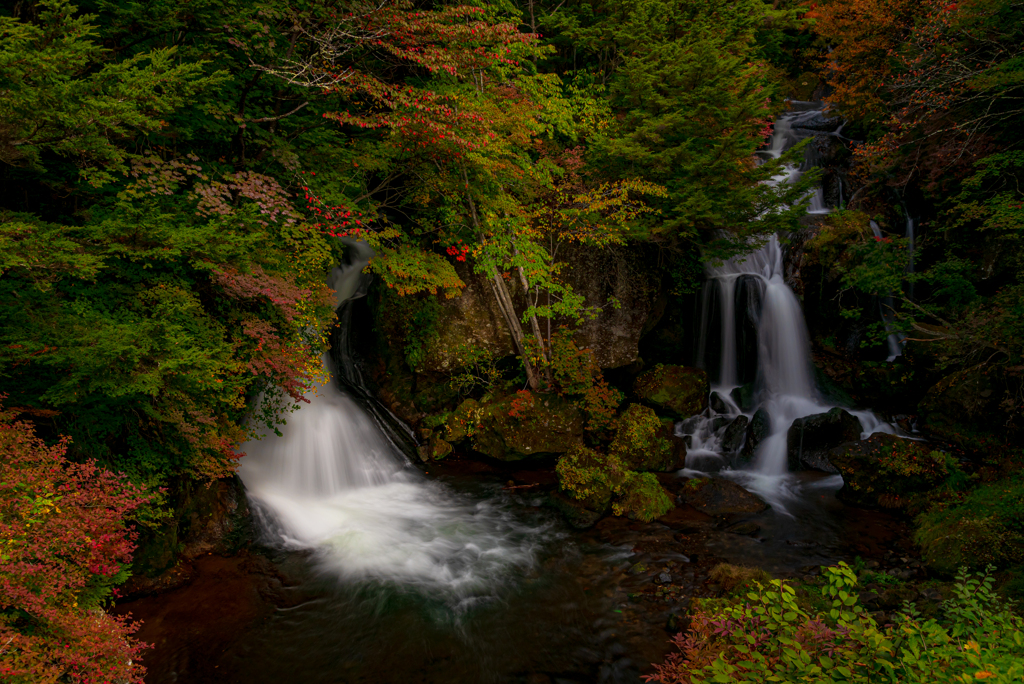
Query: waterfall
[783, 387]
[333, 484]
[885, 305]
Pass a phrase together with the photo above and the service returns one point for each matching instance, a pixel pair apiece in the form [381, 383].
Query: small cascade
[756, 349]
[332, 483]
[886, 308]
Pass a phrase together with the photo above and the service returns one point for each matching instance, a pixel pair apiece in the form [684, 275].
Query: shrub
[64, 545]
[765, 636]
[593, 479]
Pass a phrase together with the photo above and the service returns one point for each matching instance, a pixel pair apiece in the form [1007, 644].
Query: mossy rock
[523, 425]
[577, 513]
[646, 443]
[968, 408]
[886, 470]
[435, 448]
[986, 527]
[676, 390]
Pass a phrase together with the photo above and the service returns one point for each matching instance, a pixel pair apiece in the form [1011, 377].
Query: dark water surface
[596, 606]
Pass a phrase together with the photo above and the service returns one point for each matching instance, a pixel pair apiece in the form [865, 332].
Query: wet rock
[538, 425]
[664, 578]
[732, 440]
[745, 529]
[676, 390]
[744, 397]
[718, 404]
[883, 470]
[204, 520]
[809, 439]
[637, 569]
[720, 497]
[719, 422]
[758, 431]
[576, 513]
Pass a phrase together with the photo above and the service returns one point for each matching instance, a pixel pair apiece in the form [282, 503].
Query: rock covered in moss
[645, 443]
[435, 448]
[517, 426]
[676, 390]
[885, 470]
[810, 438]
[720, 497]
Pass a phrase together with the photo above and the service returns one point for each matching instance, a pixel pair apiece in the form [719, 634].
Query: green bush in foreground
[766, 636]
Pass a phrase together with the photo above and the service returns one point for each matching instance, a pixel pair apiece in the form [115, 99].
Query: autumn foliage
[64, 544]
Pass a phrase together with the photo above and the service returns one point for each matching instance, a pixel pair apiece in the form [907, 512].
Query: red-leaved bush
[64, 544]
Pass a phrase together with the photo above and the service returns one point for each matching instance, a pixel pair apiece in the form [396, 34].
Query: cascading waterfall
[750, 292]
[332, 483]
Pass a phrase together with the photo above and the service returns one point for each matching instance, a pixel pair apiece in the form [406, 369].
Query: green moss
[987, 526]
[677, 390]
[639, 442]
[642, 496]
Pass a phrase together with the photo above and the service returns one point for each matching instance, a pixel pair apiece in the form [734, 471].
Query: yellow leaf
[983, 674]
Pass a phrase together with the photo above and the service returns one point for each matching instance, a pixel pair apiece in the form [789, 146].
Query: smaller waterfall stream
[763, 352]
[333, 484]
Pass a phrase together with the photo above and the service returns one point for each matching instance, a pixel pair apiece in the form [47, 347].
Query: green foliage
[575, 373]
[63, 95]
[985, 526]
[765, 635]
[594, 479]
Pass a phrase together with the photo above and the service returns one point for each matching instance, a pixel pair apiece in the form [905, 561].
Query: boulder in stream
[758, 431]
[675, 390]
[732, 440]
[717, 403]
[810, 438]
[720, 497]
[743, 396]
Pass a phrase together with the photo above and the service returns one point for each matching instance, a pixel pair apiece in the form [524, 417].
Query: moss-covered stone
[645, 443]
[885, 470]
[518, 426]
[969, 408]
[676, 390]
[987, 526]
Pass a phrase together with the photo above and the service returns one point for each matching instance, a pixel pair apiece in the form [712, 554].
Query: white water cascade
[763, 355]
[333, 484]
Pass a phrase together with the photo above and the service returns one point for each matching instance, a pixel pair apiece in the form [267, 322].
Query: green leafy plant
[766, 636]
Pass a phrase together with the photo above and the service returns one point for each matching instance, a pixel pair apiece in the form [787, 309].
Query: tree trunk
[505, 304]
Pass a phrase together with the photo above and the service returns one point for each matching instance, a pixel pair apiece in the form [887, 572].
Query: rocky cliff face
[622, 275]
